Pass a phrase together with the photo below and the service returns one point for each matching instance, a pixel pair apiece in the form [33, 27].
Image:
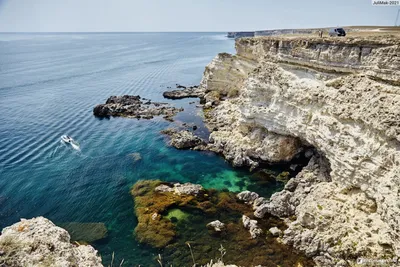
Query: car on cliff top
[337, 32]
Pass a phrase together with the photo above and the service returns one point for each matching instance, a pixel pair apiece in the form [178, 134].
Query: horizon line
[323, 27]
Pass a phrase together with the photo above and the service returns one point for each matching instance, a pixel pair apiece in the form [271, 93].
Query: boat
[68, 140]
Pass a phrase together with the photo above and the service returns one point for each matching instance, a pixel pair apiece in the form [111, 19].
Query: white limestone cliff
[341, 97]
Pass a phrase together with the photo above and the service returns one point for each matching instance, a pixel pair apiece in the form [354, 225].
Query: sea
[49, 85]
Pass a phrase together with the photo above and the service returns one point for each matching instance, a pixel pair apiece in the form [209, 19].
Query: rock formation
[184, 92]
[134, 107]
[183, 139]
[342, 97]
[38, 242]
[216, 225]
[252, 226]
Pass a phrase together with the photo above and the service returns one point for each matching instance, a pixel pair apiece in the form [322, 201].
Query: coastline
[282, 97]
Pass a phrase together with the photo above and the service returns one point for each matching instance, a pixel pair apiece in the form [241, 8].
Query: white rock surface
[216, 225]
[177, 188]
[252, 226]
[38, 242]
[275, 231]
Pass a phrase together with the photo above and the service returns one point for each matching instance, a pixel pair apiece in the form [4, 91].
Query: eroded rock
[183, 139]
[185, 92]
[288, 90]
[38, 242]
[252, 226]
[216, 225]
[134, 107]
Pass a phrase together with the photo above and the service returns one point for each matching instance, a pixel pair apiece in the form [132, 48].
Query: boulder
[216, 225]
[275, 231]
[252, 226]
[183, 139]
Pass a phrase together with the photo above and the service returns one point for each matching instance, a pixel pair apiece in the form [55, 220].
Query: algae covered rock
[38, 242]
[189, 223]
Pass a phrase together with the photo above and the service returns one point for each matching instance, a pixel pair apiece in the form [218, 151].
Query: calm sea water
[49, 84]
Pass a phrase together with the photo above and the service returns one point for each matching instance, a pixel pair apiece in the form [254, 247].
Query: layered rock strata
[38, 242]
[340, 96]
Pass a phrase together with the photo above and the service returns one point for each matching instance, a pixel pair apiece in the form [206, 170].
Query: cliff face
[38, 242]
[342, 97]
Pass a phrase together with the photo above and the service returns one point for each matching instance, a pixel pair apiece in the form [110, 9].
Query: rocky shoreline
[294, 93]
[279, 96]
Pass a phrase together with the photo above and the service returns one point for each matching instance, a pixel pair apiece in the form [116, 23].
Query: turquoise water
[49, 84]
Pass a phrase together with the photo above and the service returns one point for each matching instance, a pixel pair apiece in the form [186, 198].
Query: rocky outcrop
[183, 139]
[38, 242]
[252, 226]
[340, 96]
[184, 92]
[134, 107]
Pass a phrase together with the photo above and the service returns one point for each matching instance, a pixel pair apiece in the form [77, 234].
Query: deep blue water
[49, 84]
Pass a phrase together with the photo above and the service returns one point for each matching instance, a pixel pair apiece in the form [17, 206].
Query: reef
[278, 97]
[38, 242]
[192, 224]
[135, 107]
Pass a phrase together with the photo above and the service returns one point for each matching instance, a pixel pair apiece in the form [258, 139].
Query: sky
[186, 15]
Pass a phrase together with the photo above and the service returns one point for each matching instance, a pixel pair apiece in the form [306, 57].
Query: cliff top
[351, 39]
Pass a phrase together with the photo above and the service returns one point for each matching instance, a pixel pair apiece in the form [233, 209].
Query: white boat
[68, 140]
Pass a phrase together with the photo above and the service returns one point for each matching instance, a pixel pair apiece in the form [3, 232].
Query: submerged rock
[134, 107]
[38, 242]
[135, 157]
[87, 232]
[172, 215]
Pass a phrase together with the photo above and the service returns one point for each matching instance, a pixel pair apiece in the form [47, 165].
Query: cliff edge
[278, 95]
[38, 242]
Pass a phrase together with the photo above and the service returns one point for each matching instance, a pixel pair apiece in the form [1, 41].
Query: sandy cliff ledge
[341, 96]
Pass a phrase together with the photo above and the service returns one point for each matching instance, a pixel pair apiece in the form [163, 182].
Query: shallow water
[49, 84]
